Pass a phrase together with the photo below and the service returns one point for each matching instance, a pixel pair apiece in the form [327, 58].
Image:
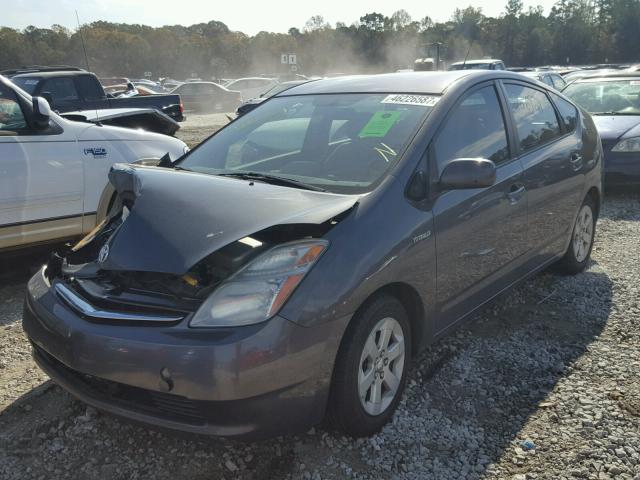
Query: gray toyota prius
[289, 268]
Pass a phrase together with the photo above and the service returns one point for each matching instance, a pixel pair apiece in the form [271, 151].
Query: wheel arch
[410, 299]
[106, 200]
[594, 193]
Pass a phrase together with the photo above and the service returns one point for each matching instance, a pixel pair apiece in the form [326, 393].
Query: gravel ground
[197, 127]
[541, 384]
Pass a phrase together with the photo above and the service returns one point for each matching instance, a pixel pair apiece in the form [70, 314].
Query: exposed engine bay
[148, 255]
[79, 267]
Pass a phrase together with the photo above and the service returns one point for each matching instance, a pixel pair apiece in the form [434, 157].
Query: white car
[251, 87]
[53, 171]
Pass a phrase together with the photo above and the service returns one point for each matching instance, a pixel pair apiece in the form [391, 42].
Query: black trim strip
[52, 219]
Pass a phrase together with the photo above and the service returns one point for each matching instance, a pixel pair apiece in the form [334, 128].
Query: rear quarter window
[568, 113]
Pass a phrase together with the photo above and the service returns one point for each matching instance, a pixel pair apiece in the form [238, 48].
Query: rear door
[481, 234]
[41, 179]
[550, 152]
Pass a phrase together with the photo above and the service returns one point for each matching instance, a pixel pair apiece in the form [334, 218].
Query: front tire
[578, 254]
[371, 368]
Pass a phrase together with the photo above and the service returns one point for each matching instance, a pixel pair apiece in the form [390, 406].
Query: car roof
[57, 73]
[473, 62]
[398, 82]
[198, 83]
[269, 79]
[616, 75]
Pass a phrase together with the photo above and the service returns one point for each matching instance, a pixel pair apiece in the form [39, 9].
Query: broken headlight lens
[257, 291]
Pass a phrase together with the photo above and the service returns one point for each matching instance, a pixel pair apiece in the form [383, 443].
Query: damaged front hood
[178, 218]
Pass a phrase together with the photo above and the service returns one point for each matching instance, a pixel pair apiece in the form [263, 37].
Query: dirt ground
[199, 126]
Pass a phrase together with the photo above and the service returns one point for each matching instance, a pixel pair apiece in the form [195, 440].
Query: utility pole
[437, 45]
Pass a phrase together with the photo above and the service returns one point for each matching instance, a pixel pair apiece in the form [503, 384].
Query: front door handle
[516, 191]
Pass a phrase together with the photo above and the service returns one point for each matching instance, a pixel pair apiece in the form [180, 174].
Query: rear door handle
[576, 161]
[516, 191]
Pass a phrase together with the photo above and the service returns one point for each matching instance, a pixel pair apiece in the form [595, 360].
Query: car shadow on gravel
[478, 388]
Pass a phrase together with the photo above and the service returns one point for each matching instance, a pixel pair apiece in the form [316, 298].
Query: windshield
[28, 84]
[621, 97]
[341, 143]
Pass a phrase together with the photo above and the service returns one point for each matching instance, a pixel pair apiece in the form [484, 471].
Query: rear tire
[371, 368]
[577, 257]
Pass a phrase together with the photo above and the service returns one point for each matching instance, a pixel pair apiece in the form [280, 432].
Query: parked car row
[80, 90]
[613, 99]
[284, 270]
[53, 170]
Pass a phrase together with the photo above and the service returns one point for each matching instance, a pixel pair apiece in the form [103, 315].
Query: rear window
[61, 89]
[558, 82]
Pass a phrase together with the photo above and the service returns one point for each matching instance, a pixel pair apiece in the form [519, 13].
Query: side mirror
[41, 112]
[418, 186]
[463, 173]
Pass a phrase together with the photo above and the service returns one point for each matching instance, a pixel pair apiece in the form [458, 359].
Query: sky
[246, 16]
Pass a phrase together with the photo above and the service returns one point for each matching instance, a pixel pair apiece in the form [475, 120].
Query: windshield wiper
[273, 179]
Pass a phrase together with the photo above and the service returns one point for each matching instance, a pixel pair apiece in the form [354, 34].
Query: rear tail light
[181, 107]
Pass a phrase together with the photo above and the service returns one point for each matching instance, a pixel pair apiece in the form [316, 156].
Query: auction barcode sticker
[405, 99]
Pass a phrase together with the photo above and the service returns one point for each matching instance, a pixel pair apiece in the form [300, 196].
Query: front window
[11, 117]
[342, 143]
[610, 97]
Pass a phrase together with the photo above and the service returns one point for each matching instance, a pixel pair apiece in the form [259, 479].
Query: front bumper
[237, 382]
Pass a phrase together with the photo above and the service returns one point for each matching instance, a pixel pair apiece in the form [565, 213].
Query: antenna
[84, 49]
[467, 55]
[86, 59]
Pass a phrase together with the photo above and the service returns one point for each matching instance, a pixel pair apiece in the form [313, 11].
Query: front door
[481, 234]
[41, 179]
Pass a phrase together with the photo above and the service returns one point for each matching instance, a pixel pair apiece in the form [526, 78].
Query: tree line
[573, 32]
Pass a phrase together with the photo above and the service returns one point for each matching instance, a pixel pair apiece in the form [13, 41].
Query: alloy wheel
[381, 366]
[583, 233]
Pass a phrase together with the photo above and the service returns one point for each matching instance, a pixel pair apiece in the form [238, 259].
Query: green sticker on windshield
[379, 124]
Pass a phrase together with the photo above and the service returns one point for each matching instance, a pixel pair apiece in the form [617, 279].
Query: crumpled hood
[178, 218]
[612, 127]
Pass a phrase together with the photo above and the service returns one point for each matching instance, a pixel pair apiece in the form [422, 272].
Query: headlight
[627, 145]
[257, 291]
